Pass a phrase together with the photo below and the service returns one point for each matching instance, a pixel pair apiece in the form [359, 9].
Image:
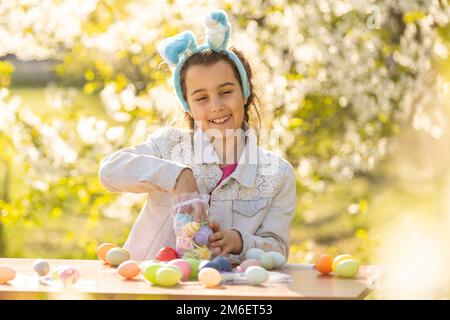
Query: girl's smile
[222, 120]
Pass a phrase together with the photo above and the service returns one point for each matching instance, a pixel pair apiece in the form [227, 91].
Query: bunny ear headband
[177, 49]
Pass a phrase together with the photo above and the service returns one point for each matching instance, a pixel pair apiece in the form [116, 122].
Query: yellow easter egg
[191, 228]
[204, 253]
[347, 268]
[103, 249]
[340, 258]
[209, 277]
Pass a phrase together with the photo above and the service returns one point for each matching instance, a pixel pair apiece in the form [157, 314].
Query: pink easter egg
[185, 208]
[249, 263]
[6, 273]
[184, 266]
[69, 275]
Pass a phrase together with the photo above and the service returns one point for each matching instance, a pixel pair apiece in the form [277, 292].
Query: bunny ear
[217, 29]
[173, 48]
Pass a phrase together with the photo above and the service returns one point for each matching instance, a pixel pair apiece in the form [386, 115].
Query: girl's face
[215, 97]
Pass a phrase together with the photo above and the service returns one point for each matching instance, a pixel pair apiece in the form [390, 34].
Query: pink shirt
[226, 171]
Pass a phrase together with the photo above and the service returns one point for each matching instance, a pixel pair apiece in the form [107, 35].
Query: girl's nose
[216, 104]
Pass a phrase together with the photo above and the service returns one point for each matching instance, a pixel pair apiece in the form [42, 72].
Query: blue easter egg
[224, 263]
[210, 264]
[183, 218]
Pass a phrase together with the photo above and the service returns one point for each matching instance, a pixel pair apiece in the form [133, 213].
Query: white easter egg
[256, 275]
[254, 253]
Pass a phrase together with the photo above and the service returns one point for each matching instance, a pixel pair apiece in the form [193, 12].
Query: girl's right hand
[186, 183]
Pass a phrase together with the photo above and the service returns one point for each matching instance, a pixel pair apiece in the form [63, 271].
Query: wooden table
[99, 281]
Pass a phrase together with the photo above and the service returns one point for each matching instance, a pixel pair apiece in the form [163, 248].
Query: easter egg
[54, 274]
[254, 253]
[223, 263]
[278, 258]
[338, 259]
[146, 263]
[347, 268]
[203, 253]
[103, 249]
[256, 275]
[149, 272]
[324, 264]
[248, 263]
[184, 244]
[6, 273]
[184, 266]
[174, 267]
[267, 261]
[129, 269]
[209, 277]
[166, 254]
[41, 267]
[200, 253]
[210, 264]
[180, 220]
[202, 236]
[168, 277]
[202, 264]
[69, 275]
[116, 256]
[194, 263]
[191, 228]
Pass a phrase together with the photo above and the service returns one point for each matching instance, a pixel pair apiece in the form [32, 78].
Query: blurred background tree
[358, 91]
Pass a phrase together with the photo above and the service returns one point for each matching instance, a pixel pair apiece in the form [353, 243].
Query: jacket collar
[245, 172]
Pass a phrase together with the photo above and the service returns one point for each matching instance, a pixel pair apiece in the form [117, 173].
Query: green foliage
[341, 91]
[6, 70]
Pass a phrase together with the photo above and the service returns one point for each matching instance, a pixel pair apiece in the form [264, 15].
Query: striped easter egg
[191, 228]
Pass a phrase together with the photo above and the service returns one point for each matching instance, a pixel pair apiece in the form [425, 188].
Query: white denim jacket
[258, 199]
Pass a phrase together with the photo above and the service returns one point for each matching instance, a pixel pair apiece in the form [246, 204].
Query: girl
[252, 191]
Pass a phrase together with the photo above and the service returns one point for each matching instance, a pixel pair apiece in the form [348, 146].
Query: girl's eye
[225, 92]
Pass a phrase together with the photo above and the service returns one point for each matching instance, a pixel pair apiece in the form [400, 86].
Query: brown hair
[208, 57]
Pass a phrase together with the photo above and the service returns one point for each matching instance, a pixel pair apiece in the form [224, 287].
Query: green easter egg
[254, 253]
[194, 267]
[278, 258]
[174, 267]
[168, 277]
[54, 274]
[347, 268]
[267, 261]
[149, 272]
[116, 256]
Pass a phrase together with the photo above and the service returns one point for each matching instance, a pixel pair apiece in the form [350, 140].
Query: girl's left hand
[225, 241]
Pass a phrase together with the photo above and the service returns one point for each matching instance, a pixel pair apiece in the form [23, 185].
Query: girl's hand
[225, 241]
[186, 183]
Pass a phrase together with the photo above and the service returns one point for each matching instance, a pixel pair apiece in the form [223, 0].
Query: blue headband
[177, 49]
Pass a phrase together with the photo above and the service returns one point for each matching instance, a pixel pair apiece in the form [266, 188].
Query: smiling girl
[252, 190]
